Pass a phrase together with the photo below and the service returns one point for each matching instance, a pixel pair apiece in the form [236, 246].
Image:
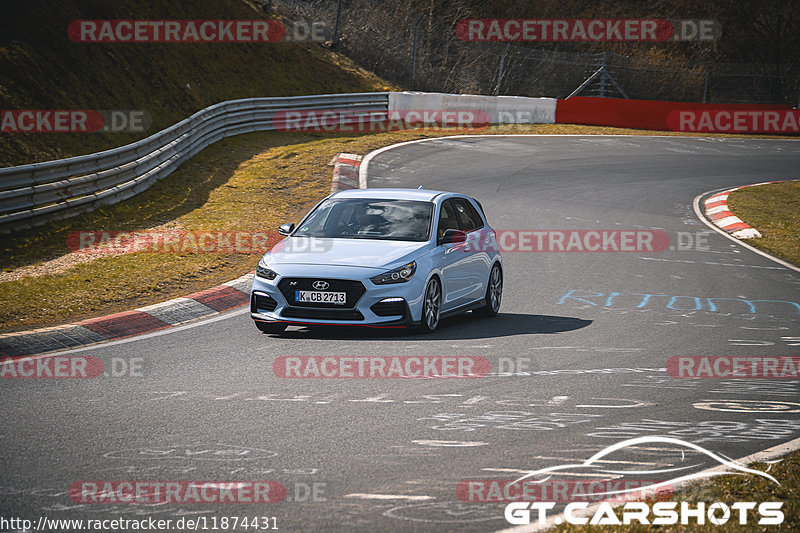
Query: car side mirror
[286, 229]
[452, 236]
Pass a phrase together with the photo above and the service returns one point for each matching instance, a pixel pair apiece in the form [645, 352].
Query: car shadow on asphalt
[465, 326]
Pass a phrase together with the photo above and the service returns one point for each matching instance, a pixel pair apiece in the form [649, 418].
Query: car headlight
[262, 271]
[398, 275]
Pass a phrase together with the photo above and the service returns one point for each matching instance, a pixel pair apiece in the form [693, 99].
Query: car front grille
[322, 314]
[353, 289]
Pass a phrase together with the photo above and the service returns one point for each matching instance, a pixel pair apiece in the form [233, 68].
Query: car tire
[431, 305]
[271, 327]
[494, 293]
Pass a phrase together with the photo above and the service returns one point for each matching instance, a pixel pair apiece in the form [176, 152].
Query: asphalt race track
[388, 454]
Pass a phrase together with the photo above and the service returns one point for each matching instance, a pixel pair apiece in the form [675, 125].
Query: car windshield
[364, 218]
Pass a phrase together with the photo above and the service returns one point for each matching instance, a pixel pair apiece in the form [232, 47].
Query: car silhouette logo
[320, 285]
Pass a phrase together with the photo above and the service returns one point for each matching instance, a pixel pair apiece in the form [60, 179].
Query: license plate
[322, 297]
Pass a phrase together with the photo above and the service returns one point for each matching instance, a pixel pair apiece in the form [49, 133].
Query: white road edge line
[362, 171]
[770, 453]
[701, 216]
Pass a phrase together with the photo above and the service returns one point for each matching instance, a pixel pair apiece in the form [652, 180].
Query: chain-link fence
[415, 52]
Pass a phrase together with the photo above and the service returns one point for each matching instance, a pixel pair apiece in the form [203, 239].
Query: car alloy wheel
[431, 305]
[494, 293]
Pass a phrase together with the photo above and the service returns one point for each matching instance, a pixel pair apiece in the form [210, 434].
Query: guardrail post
[336, 27]
[603, 78]
[500, 73]
[414, 54]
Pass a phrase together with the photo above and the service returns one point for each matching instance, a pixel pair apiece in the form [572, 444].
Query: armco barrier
[34, 194]
[646, 114]
[500, 109]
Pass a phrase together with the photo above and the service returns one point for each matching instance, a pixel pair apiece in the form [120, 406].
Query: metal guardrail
[31, 195]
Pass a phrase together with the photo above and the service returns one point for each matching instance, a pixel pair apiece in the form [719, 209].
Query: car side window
[470, 219]
[447, 219]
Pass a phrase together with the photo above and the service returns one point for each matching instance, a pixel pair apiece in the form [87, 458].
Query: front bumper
[269, 303]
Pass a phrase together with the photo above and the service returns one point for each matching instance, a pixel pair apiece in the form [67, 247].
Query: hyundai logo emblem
[320, 285]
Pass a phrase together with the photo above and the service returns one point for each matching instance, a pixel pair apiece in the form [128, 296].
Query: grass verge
[250, 182]
[774, 210]
[728, 490]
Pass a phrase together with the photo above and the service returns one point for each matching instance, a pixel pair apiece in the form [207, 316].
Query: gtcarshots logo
[176, 31]
[587, 30]
[73, 120]
[376, 366]
[372, 121]
[663, 513]
[641, 512]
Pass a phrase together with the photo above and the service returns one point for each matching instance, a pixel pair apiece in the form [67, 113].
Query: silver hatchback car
[380, 258]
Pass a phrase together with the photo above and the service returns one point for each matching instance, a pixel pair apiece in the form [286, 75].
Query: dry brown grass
[774, 210]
